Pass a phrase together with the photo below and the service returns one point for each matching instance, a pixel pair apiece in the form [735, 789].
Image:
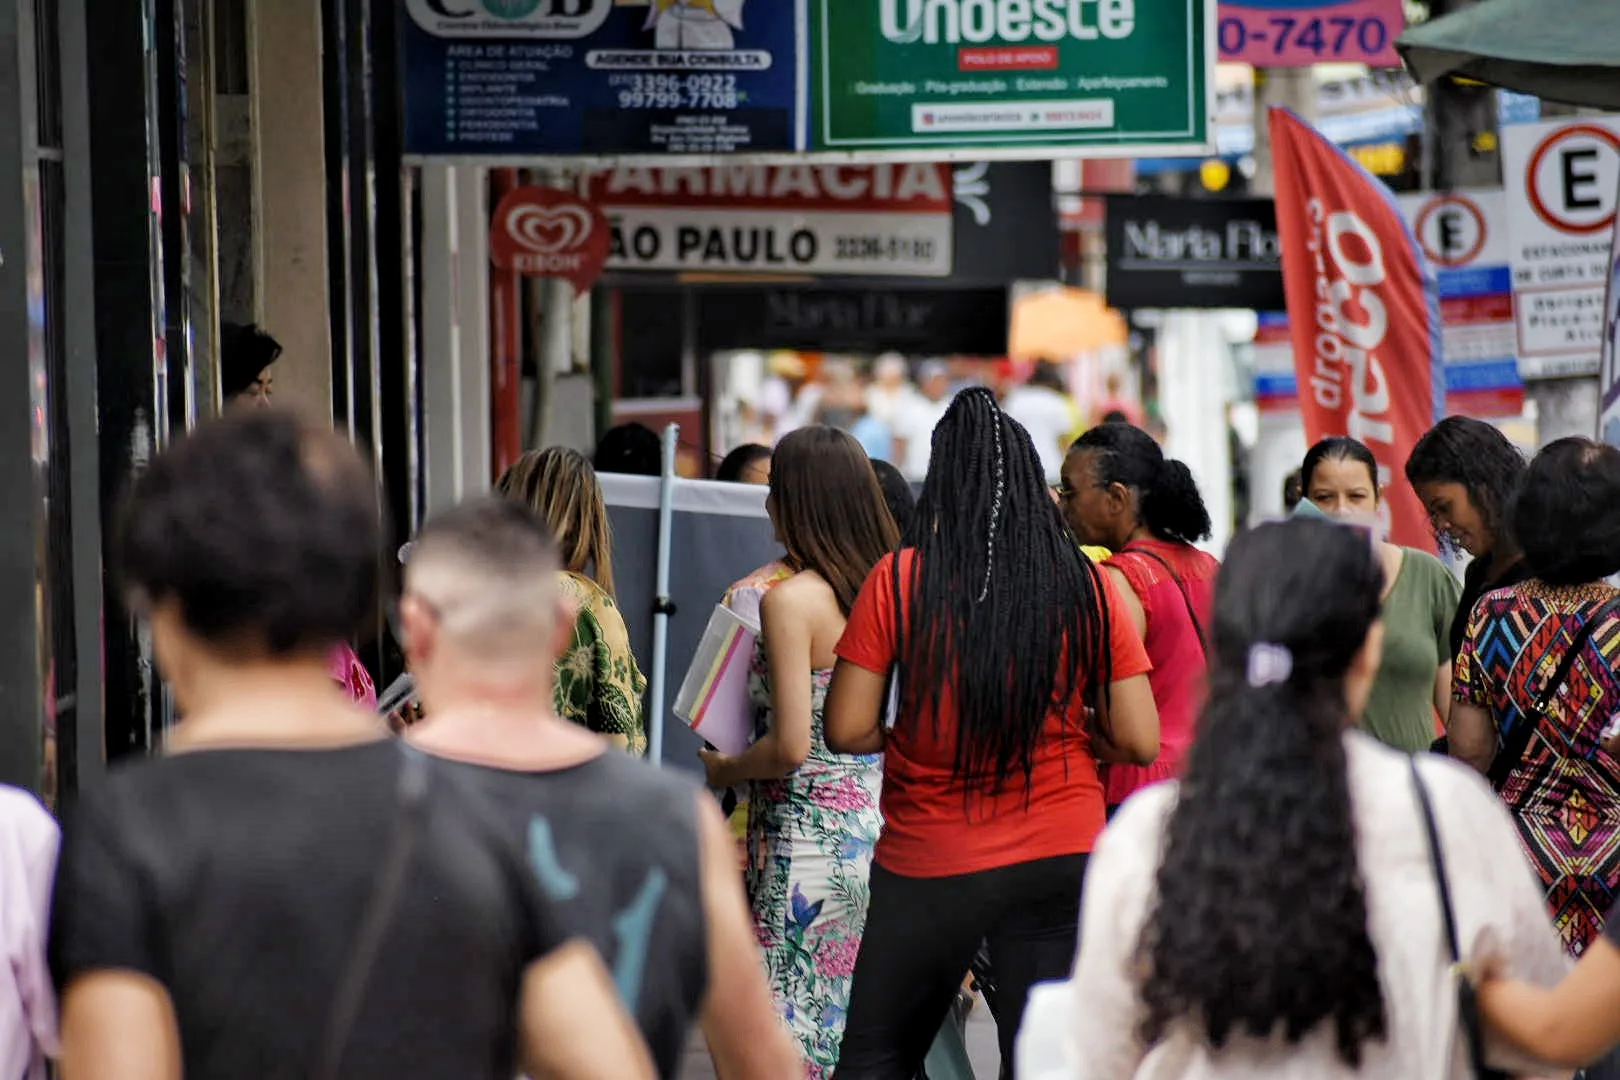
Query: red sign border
[1536, 157]
[1452, 199]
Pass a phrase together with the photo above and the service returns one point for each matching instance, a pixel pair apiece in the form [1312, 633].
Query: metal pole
[1293, 88]
[662, 607]
[554, 307]
[604, 356]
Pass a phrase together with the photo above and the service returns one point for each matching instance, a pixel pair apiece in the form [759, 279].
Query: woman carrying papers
[813, 815]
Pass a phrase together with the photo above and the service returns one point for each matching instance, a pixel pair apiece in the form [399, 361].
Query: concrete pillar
[1292, 88]
[289, 188]
[1280, 444]
[455, 375]
[1463, 147]
[1565, 407]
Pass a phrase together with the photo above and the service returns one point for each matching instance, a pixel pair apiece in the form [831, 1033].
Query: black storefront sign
[1006, 226]
[1193, 253]
[916, 321]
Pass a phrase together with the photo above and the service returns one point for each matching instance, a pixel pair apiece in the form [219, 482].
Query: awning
[1062, 324]
[1560, 50]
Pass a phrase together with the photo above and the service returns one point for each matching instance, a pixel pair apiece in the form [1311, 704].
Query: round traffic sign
[1572, 178]
[1454, 238]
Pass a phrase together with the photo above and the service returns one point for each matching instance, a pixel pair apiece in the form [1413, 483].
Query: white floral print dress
[810, 842]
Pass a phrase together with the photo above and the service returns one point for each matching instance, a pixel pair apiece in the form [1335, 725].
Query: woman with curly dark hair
[1274, 913]
[1467, 474]
[1017, 667]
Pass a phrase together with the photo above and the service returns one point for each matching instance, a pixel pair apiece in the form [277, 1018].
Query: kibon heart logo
[546, 232]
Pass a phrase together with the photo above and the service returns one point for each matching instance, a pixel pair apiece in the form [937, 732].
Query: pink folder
[713, 699]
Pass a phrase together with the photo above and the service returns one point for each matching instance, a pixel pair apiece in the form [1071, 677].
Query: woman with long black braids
[1005, 639]
[1276, 912]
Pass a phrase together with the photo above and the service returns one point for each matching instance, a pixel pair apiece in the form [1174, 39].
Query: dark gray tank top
[614, 846]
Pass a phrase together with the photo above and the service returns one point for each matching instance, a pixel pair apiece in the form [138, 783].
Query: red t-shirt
[929, 828]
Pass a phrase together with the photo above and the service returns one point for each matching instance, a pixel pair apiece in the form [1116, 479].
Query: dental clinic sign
[1009, 77]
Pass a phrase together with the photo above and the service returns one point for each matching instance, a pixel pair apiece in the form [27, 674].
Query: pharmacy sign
[1011, 77]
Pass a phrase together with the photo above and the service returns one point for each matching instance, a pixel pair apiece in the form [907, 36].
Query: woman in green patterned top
[599, 685]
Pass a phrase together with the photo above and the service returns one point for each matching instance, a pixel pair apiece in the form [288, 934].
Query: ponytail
[1173, 508]
[1169, 502]
[1260, 919]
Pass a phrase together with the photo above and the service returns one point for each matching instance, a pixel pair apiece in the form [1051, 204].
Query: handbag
[411, 799]
[1186, 597]
[1518, 741]
[1467, 1001]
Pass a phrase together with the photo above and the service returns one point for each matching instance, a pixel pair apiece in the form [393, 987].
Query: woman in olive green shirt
[1412, 695]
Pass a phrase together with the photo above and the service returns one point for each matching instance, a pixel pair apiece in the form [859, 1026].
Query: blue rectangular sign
[515, 78]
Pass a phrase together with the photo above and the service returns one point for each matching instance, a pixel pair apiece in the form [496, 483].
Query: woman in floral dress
[813, 814]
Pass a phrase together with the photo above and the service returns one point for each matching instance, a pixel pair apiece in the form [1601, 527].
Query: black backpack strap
[1186, 597]
[1518, 741]
[1468, 1017]
[1437, 860]
[375, 917]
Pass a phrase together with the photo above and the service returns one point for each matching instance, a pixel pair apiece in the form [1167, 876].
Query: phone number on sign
[1331, 37]
[678, 92]
[884, 249]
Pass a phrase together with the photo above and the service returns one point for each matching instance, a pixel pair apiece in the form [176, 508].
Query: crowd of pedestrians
[892, 407]
[1019, 729]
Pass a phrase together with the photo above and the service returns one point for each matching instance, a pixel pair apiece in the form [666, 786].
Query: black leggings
[921, 936]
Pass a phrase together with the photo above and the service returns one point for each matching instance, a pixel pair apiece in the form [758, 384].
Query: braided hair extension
[1004, 607]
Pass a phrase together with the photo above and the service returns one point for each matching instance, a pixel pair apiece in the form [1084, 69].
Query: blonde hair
[560, 486]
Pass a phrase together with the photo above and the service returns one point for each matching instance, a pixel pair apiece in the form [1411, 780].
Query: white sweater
[1498, 904]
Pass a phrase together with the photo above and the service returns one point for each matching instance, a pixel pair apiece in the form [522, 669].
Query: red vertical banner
[505, 348]
[1363, 310]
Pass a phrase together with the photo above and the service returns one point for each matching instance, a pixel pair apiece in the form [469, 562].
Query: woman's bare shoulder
[804, 595]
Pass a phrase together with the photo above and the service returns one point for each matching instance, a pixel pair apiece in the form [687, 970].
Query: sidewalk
[981, 1044]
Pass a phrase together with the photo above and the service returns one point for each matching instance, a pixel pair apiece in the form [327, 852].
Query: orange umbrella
[1062, 324]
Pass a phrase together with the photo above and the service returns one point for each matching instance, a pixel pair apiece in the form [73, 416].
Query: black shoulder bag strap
[1518, 741]
[1467, 1003]
[1186, 597]
[375, 917]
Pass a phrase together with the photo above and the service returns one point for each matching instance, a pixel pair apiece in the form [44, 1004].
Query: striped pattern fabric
[1565, 792]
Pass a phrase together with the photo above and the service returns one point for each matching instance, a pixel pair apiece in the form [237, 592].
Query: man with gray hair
[636, 860]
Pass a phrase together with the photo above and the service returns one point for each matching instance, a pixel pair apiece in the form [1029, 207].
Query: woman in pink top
[28, 843]
[1120, 492]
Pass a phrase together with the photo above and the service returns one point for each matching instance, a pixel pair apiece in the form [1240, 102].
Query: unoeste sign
[1561, 179]
[510, 78]
[1010, 75]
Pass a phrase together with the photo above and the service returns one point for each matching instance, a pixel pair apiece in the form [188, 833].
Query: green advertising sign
[1116, 77]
